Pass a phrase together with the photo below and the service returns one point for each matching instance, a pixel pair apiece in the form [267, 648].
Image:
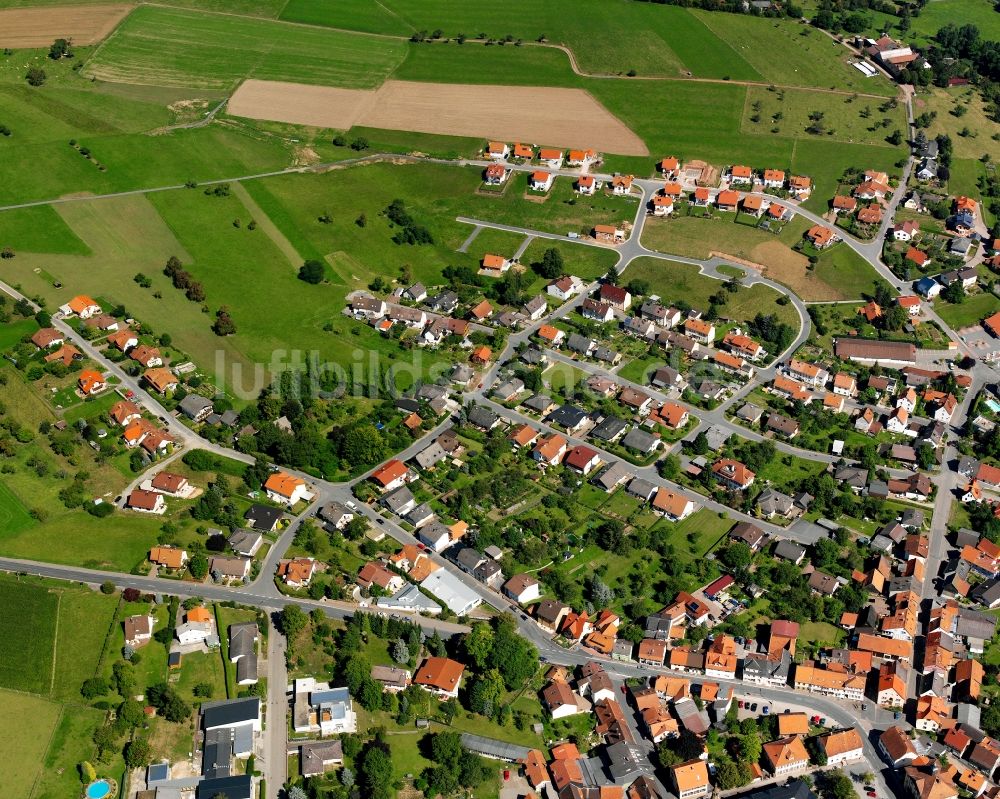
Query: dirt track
[39, 27]
[557, 117]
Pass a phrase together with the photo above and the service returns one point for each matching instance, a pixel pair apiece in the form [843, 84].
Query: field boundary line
[55, 644]
[394, 13]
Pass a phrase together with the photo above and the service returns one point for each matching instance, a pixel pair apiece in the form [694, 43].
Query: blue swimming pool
[993, 405]
[98, 789]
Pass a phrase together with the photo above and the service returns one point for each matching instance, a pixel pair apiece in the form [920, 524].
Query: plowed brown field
[557, 117]
[39, 27]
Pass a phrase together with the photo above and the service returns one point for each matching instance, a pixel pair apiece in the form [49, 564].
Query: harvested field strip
[172, 47]
[39, 27]
[559, 117]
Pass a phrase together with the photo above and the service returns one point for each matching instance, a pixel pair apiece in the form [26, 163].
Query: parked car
[753, 708]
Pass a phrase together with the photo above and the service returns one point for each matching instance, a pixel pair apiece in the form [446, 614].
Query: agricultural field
[674, 281]
[56, 634]
[557, 116]
[665, 41]
[38, 27]
[172, 47]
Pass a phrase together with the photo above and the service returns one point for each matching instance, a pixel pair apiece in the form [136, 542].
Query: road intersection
[263, 593]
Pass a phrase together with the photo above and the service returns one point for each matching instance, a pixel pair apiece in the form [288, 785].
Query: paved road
[263, 593]
[268, 599]
[276, 731]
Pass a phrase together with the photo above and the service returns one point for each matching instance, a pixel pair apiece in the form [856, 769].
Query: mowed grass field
[674, 281]
[173, 47]
[26, 726]
[791, 53]
[14, 517]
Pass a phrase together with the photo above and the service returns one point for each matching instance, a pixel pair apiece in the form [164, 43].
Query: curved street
[262, 591]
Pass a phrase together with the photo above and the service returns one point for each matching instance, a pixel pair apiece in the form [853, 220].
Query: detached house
[621, 184]
[700, 330]
[497, 150]
[661, 205]
[82, 306]
[286, 488]
[161, 380]
[495, 174]
[799, 186]
[774, 179]
[495, 264]
[565, 287]
[733, 474]
[741, 174]
[541, 181]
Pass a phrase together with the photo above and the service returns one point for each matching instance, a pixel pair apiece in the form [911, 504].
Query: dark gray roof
[482, 417]
[569, 416]
[533, 355]
[333, 512]
[579, 343]
[641, 488]
[239, 786]
[973, 624]
[538, 402]
[640, 440]
[242, 639]
[609, 428]
[193, 405]
[228, 712]
[314, 754]
[665, 376]
[243, 541]
[398, 499]
[468, 558]
[796, 789]
[263, 517]
[490, 747]
[612, 474]
[420, 513]
[431, 455]
[246, 670]
[789, 550]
